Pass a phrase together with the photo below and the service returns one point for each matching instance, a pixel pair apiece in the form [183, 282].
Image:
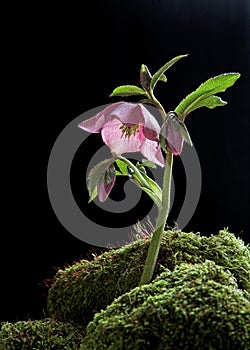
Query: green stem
[155, 243]
[157, 104]
[136, 170]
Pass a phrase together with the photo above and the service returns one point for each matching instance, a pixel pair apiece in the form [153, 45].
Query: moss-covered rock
[194, 307]
[81, 290]
[40, 335]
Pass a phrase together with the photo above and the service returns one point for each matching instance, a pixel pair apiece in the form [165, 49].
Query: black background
[67, 61]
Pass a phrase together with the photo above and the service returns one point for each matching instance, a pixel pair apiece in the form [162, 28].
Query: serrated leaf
[122, 166]
[128, 90]
[93, 195]
[157, 76]
[96, 174]
[209, 102]
[203, 96]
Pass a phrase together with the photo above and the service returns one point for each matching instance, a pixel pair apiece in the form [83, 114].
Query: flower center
[128, 131]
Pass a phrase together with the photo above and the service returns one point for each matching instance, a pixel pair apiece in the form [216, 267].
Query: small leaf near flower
[158, 75]
[145, 77]
[147, 163]
[128, 90]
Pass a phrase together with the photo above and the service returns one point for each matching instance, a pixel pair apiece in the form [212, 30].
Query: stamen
[128, 131]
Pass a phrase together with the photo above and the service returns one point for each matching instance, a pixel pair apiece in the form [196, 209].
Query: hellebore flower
[173, 133]
[127, 127]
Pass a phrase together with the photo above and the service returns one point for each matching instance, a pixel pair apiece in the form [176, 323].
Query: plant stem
[155, 243]
[136, 170]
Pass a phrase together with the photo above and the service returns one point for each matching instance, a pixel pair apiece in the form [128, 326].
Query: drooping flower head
[127, 127]
[173, 133]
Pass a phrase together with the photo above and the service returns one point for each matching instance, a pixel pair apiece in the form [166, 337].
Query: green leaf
[163, 78]
[153, 186]
[122, 166]
[93, 195]
[158, 75]
[128, 90]
[147, 163]
[146, 77]
[185, 134]
[153, 196]
[203, 96]
[96, 173]
[209, 102]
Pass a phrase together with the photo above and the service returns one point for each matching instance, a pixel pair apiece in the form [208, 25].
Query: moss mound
[83, 289]
[194, 307]
[39, 335]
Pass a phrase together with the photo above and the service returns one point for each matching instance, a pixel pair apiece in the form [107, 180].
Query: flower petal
[151, 127]
[173, 138]
[96, 123]
[132, 114]
[127, 113]
[152, 151]
[117, 142]
[106, 183]
[93, 124]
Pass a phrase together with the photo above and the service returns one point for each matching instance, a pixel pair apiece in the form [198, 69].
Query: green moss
[79, 291]
[39, 335]
[194, 307]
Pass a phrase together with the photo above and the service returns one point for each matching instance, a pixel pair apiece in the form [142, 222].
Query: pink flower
[127, 127]
[173, 133]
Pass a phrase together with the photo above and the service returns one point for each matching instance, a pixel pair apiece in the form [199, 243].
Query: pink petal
[93, 124]
[127, 113]
[174, 140]
[118, 143]
[103, 188]
[96, 123]
[152, 151]
[151, 127]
